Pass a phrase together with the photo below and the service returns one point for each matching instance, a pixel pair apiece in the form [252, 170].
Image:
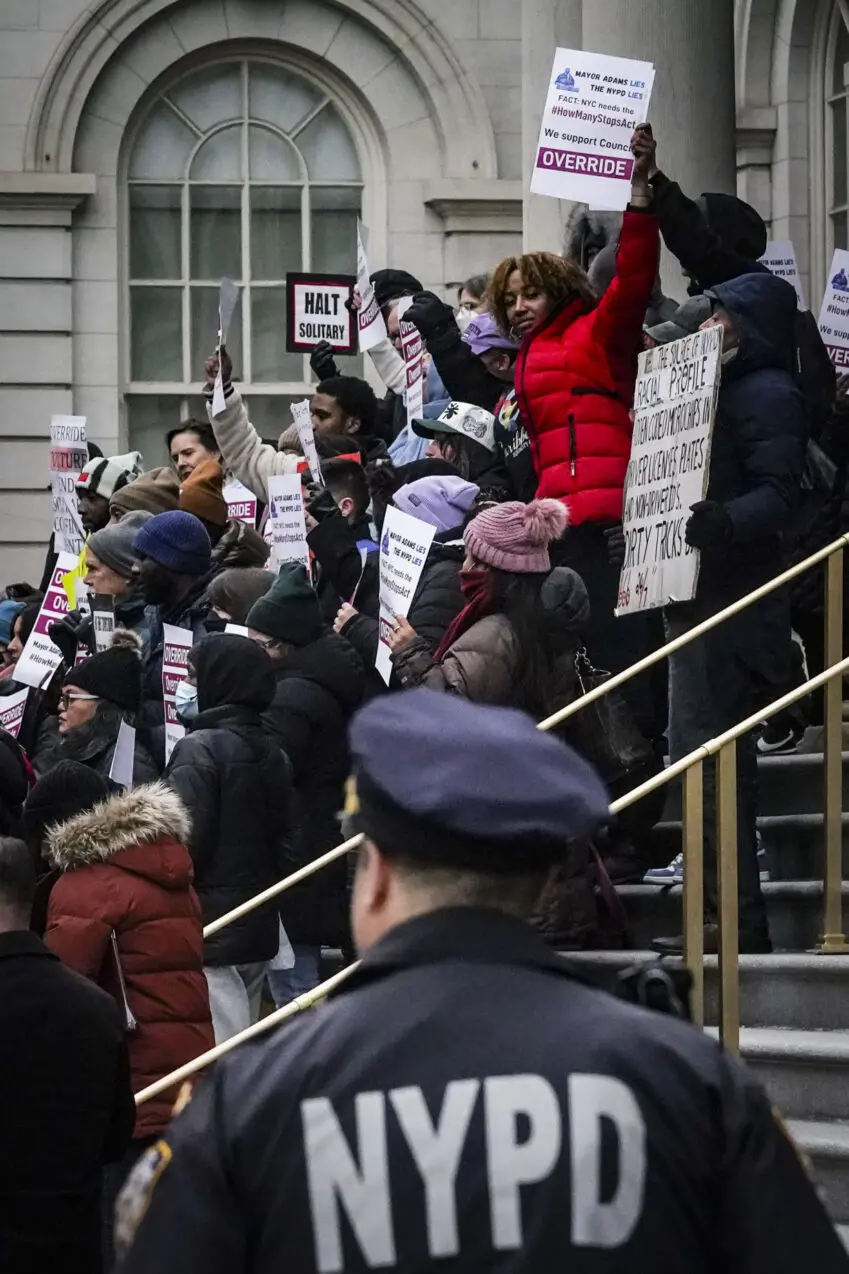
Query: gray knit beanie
[114, 544]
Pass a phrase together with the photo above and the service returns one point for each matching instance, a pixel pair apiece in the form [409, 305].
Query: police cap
[456, 784]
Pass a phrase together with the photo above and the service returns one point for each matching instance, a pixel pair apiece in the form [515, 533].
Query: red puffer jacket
[125, 868]
[575, 384]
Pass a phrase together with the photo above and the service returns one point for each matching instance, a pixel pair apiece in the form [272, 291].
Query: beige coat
[480, 666]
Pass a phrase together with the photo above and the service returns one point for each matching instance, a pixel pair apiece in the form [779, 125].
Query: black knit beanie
[289, 611]
[68, 789]
[114, 675]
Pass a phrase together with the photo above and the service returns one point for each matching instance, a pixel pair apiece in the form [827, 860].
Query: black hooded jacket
[237, 788]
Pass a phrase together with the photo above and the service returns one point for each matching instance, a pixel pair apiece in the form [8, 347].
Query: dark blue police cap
[450, 782]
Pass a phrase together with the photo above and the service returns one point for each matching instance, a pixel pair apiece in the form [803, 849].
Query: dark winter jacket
[463, 373]
[436, 601]
[126, 870]
[513, 446]
[94, 743]
[237, 788]
[759, 437]
[14, 783]
[191, 613]
[66, 1109]
[575, 382]
[240, 545]
[319, 687]
[131, 613]
[349, 565]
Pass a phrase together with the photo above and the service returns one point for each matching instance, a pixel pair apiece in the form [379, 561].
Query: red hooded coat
[125, 868]
[575, 384]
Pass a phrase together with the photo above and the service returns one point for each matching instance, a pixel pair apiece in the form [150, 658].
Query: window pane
[275, 232]
[270, 414]
[203, 305]
[334, 215]
[155, 232]
[149, 418]
[838, 115]
[328, 150]
[162, 150]
[272, 158]
[215, 232]
[839, 227]
[156, 334]
[212, 96]
[279, 98]
[270, 361]
[220, 159]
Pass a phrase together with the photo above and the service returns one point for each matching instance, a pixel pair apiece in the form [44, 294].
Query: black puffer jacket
[318, 689]
[436, 602]
[94, 743]
[238, 790]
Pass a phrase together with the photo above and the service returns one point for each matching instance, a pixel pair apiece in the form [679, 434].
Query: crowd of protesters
[518, 464]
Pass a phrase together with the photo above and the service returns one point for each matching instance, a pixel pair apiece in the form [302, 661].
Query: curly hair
[560, 280]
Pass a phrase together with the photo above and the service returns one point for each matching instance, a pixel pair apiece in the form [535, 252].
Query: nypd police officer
[463, 1102]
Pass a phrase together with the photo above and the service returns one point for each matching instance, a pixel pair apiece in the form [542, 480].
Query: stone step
[826, 1144]
[790, 784]
[795, 909]
[795, 991]
[804, 1072]
[793, 844]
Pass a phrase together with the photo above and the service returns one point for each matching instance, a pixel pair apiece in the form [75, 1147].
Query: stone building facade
[147, 147]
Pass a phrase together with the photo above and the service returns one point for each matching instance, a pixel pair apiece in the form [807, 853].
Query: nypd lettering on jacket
[587, 1142]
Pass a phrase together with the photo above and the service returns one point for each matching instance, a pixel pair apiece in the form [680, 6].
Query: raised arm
[246, 456]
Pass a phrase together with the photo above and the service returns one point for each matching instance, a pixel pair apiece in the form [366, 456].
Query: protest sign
[594, 104]
[371, 324]
[228, 299]
[780, 259]
[68, 459]
[834, 315]
[241, 503]
[413, 347]
[237, 630]
[124, 756]
[286, 517]
[674, 410]
[40, 657]
[12, 708]
[84, 648]
[103, 621]
[177, 644]
[404, 547]
[317, 311]
[302, 416]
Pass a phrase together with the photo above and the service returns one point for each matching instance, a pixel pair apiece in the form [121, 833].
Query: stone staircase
[794, 1004]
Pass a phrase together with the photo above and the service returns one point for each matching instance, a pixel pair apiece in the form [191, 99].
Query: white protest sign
[228, 299]
[241, 503]
[404, 546]
[103, 621]
[178, 643]
[674, 410]
[370, 321]
[237, 630]
[68, 459]
[318, 311]
[834, 315]
[287, 521]
[594, 104]
[124, 756]
[780, 259]
[40, 658]
[302, 416]
[413, 347]
[12, 708]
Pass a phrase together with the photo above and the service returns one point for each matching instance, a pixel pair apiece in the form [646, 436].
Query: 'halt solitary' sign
[317, 311]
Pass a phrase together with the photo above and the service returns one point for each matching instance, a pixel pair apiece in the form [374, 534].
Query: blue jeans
[288, 984]
[711, 688]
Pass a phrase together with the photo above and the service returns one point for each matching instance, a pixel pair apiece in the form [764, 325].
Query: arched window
[242, 170]
[837, 134]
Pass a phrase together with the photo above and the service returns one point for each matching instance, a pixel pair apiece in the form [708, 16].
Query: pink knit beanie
[515, 536]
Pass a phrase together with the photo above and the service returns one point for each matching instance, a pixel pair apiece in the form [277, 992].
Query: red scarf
[474, 585]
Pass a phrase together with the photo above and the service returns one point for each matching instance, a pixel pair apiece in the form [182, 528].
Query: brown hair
[560, 279]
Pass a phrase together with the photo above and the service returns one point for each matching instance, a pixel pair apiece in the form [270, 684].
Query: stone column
[691, 43]
[546, 25]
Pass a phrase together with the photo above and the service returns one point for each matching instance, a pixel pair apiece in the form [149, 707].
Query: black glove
[68, 632]
[323, 361]
[322, 505]
[615, 538]
[709, 526]
[431, 316]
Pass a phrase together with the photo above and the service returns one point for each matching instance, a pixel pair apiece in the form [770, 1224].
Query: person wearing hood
[111, 572]
[157, 491]
[234, 543]
[443, 501]
[97, 484]
[756, 462]
[97, 696]
[236, 785]
[124, 914]
[320, 682]
[500, 649]
[233, 592]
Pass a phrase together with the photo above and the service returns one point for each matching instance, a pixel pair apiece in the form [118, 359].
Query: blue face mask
[186, 702]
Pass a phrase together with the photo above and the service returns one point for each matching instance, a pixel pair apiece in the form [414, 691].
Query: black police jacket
[465, 1104]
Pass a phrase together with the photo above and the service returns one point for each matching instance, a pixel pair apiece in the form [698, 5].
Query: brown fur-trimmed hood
[135, 818]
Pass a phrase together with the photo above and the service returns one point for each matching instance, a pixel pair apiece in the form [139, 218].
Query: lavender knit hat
[442, 501]
[515, 536]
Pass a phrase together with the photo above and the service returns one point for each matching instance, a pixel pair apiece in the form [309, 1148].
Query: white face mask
[186, 701]
[465, 318]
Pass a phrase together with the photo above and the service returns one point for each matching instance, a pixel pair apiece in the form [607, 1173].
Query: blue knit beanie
[176, 541]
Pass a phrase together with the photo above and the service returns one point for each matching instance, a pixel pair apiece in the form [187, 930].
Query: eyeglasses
[66, 699]
[270, 644]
